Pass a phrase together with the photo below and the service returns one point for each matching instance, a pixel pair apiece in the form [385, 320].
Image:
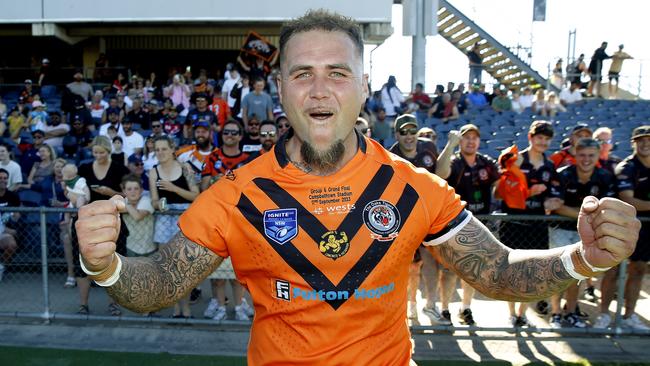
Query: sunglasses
[267, 134]
[605, 141]
[408, 131]
[283, 126]
[253, 124]
[427, 135]
[230, 132]
[156, 126]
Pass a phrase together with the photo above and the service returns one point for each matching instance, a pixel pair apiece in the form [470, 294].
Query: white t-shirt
[15, 173]
[135, 141]
[570, 97]
[140, 239]
[389, 105]
[228, 85]
[526, 101]
[103, 130]
[97, 112]
[54, 141]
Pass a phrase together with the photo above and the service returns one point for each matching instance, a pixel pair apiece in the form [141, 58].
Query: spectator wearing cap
[172, 124]
[38, 116]
[251, 142]
[28, 91]
[152, 107]
[566, 156]
[139, 115]
[421, 153]
[199, 114]
[12, 168]
[257, 103]
[542, 181]
[136, 167]
[113, 121]
[133, 141]
[427, 133]
[54, 130]
[633, 183]
[472, 175]
[577, 181]
[79, 111]
[476, 99]
[82, 136]
[197, 154]
[80, 87]
[112, 106]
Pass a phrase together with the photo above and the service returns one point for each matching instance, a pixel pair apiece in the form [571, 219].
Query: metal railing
[27, 289]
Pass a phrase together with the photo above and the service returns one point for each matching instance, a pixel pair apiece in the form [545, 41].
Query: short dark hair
[130, 178]
[4, 171]
[259, 78]
[118, 138]
[321, 19]
[268, 123]
[240, 127]
[6, 146]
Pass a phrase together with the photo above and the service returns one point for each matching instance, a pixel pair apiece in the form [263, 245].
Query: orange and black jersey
[219, 163]
[326, 259]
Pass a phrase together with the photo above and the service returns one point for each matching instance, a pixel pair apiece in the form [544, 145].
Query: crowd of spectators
[159, 144]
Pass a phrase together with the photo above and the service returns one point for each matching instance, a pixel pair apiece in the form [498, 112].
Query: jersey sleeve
[446, 212]
[206, 221]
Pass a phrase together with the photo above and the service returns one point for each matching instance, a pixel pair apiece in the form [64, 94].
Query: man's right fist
[98, 227]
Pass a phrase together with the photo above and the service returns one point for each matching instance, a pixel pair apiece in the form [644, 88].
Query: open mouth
[321, 115]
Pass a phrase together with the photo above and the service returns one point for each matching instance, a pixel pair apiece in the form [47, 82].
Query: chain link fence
[35, 279]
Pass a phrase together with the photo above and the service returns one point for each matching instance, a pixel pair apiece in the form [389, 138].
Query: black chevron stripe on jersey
[309, 272]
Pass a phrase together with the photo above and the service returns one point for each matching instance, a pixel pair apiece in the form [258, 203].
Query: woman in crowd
[172, 187]
[103, 176]
[42, 169]
[149, 158]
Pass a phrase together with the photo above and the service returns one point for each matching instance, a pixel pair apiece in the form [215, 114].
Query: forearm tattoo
[500, 272]
[151, 283]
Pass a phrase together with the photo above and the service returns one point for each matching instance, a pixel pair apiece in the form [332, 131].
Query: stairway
[508, 69]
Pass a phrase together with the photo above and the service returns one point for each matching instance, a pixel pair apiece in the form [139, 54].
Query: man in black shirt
[7, 235]
[422, 153]
[577, 182]
[472, 175]
[139, 115]
[199, 114]
[542, 182]
[633, 176]
[251, 142]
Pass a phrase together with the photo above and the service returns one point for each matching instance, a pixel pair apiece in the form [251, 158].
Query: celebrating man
[322, 231]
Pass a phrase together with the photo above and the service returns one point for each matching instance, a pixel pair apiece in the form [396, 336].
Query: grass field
[22, 356]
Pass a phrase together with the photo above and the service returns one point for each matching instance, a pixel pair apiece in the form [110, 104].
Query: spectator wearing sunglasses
[268, 136]
[604, 136]
[283, 124]
[225, 158]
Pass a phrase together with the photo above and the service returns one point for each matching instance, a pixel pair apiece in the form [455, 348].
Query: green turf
[23, 356]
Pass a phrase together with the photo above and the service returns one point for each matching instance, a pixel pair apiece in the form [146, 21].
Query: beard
[267, 145]
[202, 143]
[323, 161]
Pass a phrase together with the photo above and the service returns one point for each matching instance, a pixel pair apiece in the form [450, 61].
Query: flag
[257, 46]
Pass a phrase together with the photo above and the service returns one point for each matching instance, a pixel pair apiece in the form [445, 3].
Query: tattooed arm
[608, 231]
[500, 272]
[159, 281]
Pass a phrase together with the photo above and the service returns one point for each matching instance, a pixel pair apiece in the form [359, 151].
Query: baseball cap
[468, 128]
[112, 110]
[579, 127]
[37, 103]
[405, 119]
[45, 61]
[203, 124]
[28, 81]
[641, 131]
[541, 128]
[133, 159]
[39, 132]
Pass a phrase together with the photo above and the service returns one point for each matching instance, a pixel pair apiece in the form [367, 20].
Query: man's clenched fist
[98, 227]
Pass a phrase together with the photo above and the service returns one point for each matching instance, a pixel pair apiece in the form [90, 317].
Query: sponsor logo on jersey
[282, 290]
[382, 219]
[331, 295]
[427, 160]
[281, 225]
[483, 174]
[334, 210]
[230, 175]
[334, 244]
[546, 176]
[595, 190]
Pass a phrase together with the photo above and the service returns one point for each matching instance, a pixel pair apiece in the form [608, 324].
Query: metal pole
[418, 49]
[620, 293]
[44, 270]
